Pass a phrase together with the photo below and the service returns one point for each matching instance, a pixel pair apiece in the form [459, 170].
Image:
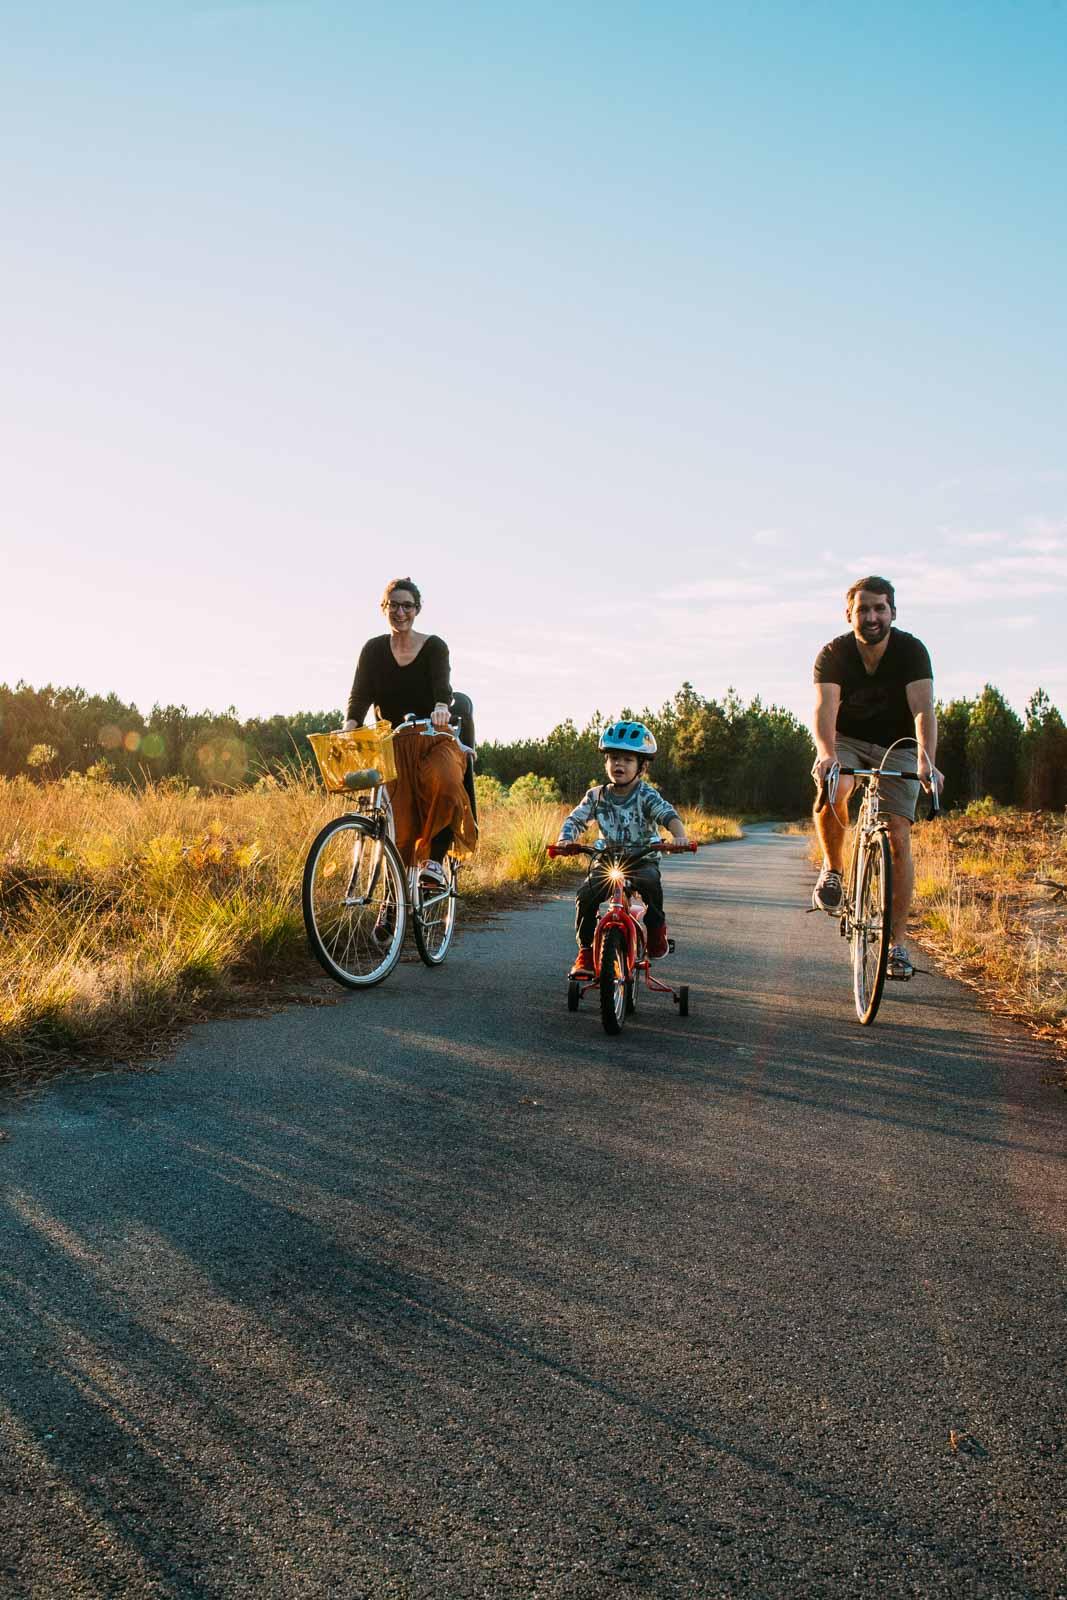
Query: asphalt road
[441, 1292]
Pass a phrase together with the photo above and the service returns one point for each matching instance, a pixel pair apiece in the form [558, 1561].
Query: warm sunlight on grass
[127, 912]
[986, 901]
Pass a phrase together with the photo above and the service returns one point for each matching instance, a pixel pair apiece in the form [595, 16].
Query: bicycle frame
[867, 821]
[867, 902]
[379, 810]
[620, 914]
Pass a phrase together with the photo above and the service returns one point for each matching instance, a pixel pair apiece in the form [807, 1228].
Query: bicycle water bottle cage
[365, 778]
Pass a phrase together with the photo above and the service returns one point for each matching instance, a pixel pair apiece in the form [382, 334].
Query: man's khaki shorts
[897, 796]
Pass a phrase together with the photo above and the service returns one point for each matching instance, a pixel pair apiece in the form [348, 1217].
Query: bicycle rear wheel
[433, 919]
[870, 924]
[355, 910]
[613, 982]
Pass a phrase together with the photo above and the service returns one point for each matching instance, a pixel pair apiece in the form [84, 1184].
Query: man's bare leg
[831, 827]
[903, 876]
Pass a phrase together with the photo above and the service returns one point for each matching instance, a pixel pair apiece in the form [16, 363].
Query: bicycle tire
[345, 929]
[613, 982]
[870, 924]
[433, 934]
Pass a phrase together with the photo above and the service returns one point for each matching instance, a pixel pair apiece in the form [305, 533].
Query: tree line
[723, 754]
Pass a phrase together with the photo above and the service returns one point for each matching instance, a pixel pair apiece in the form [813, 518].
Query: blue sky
[633, 333]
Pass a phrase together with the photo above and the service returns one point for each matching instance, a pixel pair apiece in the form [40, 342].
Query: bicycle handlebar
[426, 730]
[828, 786]
[573, 848]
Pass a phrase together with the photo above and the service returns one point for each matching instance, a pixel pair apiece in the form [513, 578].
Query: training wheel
[574, 994]
[683, 1000]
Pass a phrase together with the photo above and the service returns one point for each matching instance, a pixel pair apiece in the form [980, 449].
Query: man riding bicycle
[873, 687]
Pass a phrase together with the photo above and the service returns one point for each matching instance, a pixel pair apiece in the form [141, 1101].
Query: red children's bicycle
[620, 944]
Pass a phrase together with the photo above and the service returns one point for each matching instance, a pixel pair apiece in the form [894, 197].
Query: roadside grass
[987, 904]
[126, 914]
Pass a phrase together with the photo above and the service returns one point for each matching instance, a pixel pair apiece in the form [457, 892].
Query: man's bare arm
[920, 695]
[824, 726]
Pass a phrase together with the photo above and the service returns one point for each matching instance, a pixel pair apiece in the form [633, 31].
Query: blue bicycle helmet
[633, 737]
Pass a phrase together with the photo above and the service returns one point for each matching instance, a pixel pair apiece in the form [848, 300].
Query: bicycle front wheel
[433, 919]
[355, 910]
[872, 914]
[613, 982]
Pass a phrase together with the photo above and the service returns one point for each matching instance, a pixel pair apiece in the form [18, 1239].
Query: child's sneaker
[658, 943]
[583, 966]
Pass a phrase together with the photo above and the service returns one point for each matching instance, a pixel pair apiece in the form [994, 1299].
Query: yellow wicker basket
[338, 753]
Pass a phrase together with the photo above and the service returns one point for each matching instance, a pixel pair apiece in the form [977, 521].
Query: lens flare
[223, 760]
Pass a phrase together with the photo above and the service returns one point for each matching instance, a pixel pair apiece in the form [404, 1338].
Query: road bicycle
[620, 943]
[867, 901]
[358, 897]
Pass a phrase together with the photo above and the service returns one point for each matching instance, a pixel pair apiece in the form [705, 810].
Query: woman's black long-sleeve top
[395, 690]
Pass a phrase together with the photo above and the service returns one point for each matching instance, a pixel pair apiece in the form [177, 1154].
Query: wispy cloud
[1025, 575]
[975, 539]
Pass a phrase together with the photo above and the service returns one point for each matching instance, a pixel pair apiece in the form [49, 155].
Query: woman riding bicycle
[401, 672]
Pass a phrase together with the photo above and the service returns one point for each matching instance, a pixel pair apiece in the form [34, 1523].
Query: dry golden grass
[128, 913]
[983, 904]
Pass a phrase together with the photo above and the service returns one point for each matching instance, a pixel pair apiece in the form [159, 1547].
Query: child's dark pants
[645, 879]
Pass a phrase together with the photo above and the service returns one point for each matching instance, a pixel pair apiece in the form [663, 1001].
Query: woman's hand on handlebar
[440, 716]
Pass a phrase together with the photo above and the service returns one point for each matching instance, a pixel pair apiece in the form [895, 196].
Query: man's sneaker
[658, 943]
[899, 963]
[583, 966]
[826, 895]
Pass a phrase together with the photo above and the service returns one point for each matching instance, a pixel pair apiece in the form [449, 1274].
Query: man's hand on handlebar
[929, 776]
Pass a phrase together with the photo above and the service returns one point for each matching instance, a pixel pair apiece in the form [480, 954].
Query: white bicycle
[358, 897]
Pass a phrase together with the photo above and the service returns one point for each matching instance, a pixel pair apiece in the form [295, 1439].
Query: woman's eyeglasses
[402, 605]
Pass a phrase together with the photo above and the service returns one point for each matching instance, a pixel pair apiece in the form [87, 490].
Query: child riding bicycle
[628, 812]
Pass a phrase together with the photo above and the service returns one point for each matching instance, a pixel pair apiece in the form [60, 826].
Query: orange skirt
[428, 795]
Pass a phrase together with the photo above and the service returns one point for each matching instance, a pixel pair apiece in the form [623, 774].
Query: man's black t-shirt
[874, 706]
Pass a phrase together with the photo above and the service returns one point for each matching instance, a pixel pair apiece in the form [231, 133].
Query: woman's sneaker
[899, 963]
[826, 895]
[432, 874]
